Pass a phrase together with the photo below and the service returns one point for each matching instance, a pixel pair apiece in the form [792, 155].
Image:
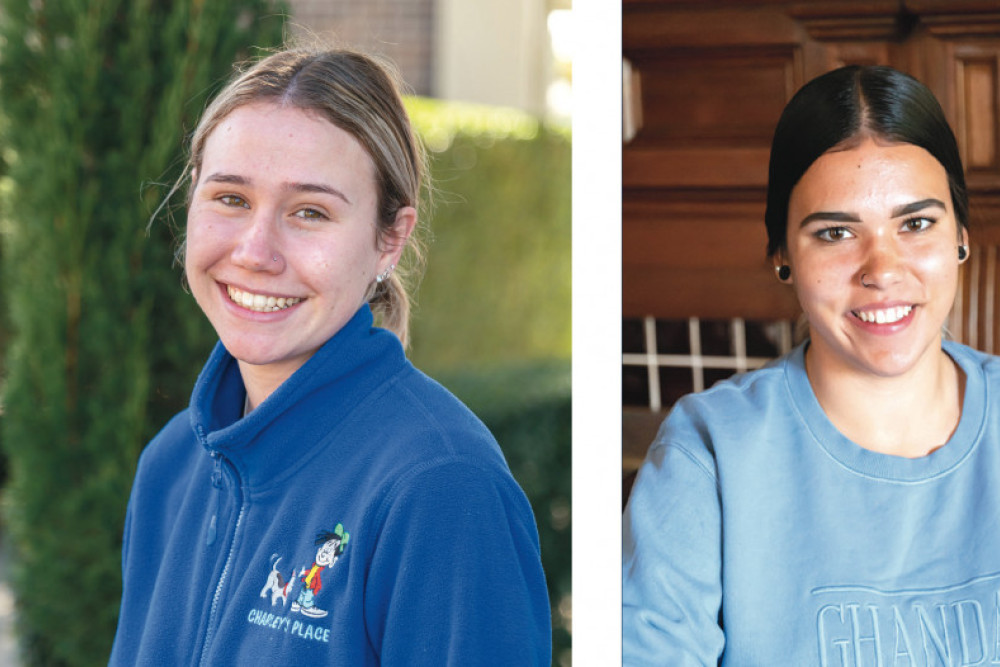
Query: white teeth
[259, 302]
[887, 316]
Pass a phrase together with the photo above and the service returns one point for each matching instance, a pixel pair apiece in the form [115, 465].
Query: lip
[888, 310]
[245, 312]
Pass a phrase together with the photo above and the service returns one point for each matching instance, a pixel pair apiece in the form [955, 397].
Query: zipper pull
[217, 484]
[217, 471]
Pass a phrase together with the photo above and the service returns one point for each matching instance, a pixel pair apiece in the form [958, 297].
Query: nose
[883, 263]
[257, 247]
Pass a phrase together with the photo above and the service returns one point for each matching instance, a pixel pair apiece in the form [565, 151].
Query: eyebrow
[235, 179]
[899, 211]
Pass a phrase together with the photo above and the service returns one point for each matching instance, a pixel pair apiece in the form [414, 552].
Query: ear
[395, 239]
[781, 259]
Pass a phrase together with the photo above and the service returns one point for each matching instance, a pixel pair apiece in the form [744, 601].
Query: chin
[893, 363]
[254, 353]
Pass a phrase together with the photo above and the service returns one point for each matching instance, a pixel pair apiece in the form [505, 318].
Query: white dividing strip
[697, 367]
[652, 367]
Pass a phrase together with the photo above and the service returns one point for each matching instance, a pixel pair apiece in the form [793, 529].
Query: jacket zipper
[217, 476]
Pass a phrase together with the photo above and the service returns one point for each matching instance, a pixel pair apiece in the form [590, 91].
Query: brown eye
[917, 224]
[234, 200]
[833, 234]
[310, 214]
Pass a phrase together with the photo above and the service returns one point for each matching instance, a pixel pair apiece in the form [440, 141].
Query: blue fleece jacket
[757, 534]
[361, 515]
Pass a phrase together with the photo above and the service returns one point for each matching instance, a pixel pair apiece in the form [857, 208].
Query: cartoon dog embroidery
[276, 584]
[331, 545]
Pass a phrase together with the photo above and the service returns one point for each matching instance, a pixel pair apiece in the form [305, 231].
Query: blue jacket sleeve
[671, 562]
[456, 577]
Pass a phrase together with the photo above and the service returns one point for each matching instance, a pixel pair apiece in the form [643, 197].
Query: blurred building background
[512, 53]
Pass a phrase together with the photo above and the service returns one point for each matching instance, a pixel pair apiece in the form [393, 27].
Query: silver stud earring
[382, 277]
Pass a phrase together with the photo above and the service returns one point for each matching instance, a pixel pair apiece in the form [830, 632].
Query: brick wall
[402, 30]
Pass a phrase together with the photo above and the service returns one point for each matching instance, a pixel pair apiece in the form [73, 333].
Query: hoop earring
[963, 252]
[784, 272]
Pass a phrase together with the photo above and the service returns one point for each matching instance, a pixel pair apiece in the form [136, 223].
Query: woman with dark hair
[838, 507]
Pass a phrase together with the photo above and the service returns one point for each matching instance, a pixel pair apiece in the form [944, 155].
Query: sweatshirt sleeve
[456, 576]
[671, 561]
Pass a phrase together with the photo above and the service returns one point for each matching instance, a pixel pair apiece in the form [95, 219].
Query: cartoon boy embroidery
[331, 545]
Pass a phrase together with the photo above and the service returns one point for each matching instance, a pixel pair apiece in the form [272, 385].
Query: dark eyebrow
[907, 209]
[899, 211]
[830, 216]
[235, 179]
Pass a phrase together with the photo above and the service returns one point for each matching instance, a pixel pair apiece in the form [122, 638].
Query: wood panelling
[732, 98]
[656, 25]
[976, 94]
[712, 80]
[695, 167]
[957, 19]
[974, 318]
[846, 20]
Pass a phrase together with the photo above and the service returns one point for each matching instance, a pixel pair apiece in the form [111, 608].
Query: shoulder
[432, 422]
[735, 405]
[177, 435]
[967, 357]
[173, 449]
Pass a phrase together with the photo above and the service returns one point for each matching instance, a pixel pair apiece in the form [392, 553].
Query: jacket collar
[293, 420]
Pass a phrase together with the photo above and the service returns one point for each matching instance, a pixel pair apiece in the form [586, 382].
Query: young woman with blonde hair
[321, 501]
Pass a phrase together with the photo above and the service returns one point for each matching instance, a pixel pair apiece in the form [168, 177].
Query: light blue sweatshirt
[757, 534]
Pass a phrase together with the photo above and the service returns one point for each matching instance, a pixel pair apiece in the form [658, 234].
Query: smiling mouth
[260, 303]
[883, 316]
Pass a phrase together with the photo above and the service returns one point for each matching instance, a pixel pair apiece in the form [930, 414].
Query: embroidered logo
[331, 545]
[276, 584]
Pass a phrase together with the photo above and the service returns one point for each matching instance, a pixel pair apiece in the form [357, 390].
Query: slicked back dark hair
[853, 102]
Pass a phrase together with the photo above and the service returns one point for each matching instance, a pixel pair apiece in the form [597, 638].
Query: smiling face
[281, 238]
[327, 553]
[873, 247]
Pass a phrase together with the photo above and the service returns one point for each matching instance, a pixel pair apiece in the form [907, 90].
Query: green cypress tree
[96, 98]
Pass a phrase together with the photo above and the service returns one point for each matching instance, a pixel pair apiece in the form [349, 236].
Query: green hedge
[96, 98]
[497, 282]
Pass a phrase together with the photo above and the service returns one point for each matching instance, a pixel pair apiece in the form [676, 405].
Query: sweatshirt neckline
[885, 466]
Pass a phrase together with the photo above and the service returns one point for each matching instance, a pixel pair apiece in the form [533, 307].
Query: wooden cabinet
[704, 84]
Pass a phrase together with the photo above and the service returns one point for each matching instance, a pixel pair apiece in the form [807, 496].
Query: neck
[261, 381]
[908, 415]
